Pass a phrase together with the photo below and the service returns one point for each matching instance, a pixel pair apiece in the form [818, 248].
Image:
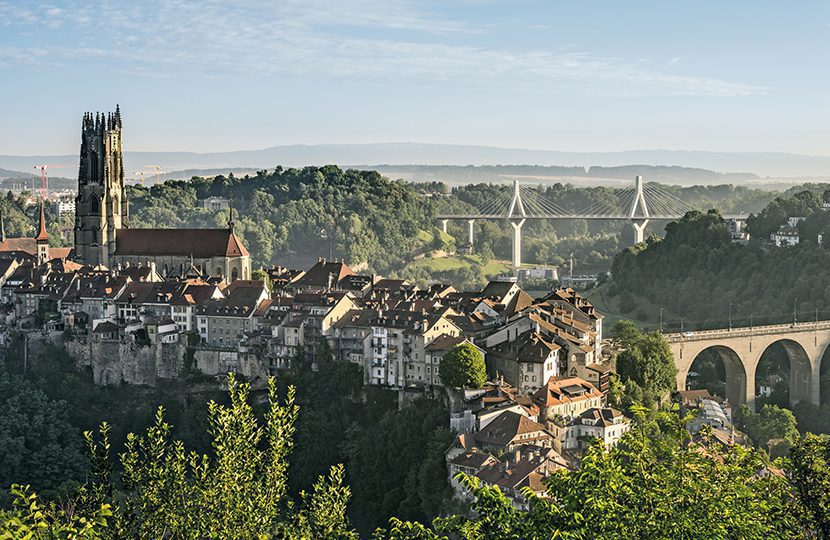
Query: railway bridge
[740, 349]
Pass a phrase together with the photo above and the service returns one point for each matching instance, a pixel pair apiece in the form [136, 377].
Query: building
[102, 233]
[526, 361]
[510, 430]
[737, 229]
[606, 424]
[215, 204]
[566, 397]
[786, 235]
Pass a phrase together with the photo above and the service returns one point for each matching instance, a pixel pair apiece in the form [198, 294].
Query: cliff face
[116, 362]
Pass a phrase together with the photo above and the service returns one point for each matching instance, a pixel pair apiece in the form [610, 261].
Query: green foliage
[38, 443]
[396, 465]
[696, 273]
[810, 459]
[645, 364]
[463, 365]
[653, 484]
[780, 209]
[29, 519]
[771, 423]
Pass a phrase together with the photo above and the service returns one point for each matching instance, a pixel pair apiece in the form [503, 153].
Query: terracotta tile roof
[508, 426]
[61, 253]
[41, 233]
[19, 245]
[201, 243]
[560, 390]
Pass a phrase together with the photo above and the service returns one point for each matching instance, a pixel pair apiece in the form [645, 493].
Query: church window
[93, 205]
[219, 271]
[234, 274]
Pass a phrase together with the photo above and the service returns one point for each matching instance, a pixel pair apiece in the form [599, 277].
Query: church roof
[19, 245]
[200, 243]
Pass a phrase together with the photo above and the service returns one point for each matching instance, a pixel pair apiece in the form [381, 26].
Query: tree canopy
[645, 364]
[463, 365]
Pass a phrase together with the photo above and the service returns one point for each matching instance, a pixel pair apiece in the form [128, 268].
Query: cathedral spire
[2, 227]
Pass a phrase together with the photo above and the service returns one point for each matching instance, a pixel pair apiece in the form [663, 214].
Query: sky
[558, 75]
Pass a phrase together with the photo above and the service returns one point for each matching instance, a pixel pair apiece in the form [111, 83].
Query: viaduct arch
[740, 349]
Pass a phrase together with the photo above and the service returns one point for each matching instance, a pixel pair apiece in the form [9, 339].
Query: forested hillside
[696, 272]
[292, 216]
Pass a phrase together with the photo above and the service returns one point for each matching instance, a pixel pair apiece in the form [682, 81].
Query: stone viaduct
[740, 349]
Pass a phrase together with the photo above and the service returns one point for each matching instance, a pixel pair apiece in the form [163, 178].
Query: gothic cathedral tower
[101, 203]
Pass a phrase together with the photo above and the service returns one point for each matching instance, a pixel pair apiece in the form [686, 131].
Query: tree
[240, 491]
[645, 360]
[463, 365]
[771, 423]
[810, 458]
[38, 443]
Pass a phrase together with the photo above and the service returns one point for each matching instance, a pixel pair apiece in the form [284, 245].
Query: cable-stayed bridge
[638, 204]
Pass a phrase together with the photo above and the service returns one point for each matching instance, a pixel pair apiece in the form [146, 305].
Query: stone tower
[101, 203]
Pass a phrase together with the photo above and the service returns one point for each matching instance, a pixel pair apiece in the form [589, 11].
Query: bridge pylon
[517, 243]
[471, 231]
[639, 220]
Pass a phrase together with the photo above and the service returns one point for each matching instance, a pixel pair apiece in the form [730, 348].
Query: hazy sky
[563, 75]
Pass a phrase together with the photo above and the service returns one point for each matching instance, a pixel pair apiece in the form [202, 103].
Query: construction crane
[43, 168]
[156, 173]
[140, 175]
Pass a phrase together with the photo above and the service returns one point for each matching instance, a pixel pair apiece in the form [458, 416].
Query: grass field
[455, 262]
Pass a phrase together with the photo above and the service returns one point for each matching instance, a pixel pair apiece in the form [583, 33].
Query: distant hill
[761, 164]
[5, 173]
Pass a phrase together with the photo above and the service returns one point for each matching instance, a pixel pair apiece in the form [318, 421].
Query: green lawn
[455, 262]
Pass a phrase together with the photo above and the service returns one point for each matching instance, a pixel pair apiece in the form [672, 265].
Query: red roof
[41, 234]
[200, 243]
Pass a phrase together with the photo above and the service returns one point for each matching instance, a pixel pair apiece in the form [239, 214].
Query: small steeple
[41, 234]
[117, 116]
[42, 239]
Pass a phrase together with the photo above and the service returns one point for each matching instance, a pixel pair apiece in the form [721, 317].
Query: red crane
[43, 168]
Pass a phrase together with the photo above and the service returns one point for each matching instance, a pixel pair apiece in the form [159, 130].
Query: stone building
[102, 233]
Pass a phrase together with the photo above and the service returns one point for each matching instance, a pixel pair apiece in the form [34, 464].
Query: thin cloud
[213, 39]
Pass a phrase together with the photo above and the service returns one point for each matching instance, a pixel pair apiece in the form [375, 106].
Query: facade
[566, 397]
[102, 233]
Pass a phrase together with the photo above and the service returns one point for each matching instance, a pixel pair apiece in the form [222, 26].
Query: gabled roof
[324, 274]
[445, 342]
[498, 289]
[507, 426]
[561, 390]
[19, 245]
[473, 459]
[529, 347]
[200, 243]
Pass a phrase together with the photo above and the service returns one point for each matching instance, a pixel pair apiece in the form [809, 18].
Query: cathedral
[103, 236]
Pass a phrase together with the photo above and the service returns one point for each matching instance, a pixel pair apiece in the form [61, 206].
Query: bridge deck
[572, 216]
[722, 333]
